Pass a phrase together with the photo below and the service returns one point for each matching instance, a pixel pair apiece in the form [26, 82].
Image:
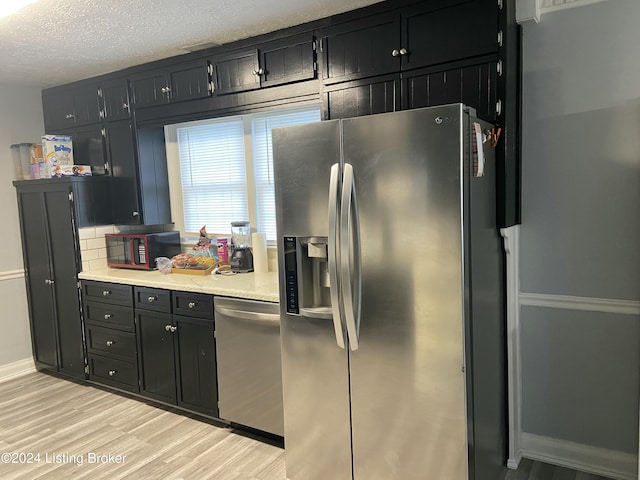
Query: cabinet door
[125, 206]
[289, 60]
[89, 148]
[35, 244]
[196, 365]
[363, 97]
[473, 85]
[189, 81]
[64, 268]
[236, 72]
[86, 105]
[150, 89]
[115, 99]
[156, 356]
[58, 111]
[439, 32]
[361, 49]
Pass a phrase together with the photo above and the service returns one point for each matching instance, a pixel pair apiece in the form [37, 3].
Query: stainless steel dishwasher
[249, 368]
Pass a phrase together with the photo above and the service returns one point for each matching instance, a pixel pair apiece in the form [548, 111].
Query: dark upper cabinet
[445, 31]
[50, 253]
[125, 205]
[67, 107]
[473, 85]
[428, 33]
[361, 48]
[139, 180]
[236, 71]
[288, 60]
[362, 97]
[185, 81]
[89, 148]
[115, 100]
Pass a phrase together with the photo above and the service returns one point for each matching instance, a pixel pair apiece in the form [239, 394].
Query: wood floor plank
[41, 413]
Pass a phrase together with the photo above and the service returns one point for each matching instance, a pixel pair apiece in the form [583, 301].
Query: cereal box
[57, 150]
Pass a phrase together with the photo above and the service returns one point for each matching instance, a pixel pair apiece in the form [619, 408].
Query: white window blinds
[261, 127]
[213, 175]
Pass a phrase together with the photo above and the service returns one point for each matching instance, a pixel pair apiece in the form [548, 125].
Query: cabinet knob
[69, 116]
[135, 214]
[258, 72]
[192, 304]
[395, 52]
[173, 329]
[167, 328]
[107, 316]
[125, 106]
[47, 281]
[112, 373]
[152, 299]
[109, 343]
[165, 89]
[106, 293]
[403, 51]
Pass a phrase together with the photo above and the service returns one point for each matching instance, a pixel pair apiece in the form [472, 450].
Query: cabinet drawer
[112, 316]
[111, 371]
[154, 299]
[109, 342]
[108, 292]
[193, 304]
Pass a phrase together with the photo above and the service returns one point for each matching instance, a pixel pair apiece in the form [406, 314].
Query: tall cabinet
[50, 252]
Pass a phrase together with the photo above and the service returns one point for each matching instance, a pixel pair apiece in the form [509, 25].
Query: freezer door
[314, 366]
[407, 380]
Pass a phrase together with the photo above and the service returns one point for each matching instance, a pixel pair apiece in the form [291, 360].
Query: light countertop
[254, 286]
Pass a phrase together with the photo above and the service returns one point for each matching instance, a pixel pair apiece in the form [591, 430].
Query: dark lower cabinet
[50, 253]
[176, 353]
[156, 356]
[196, 364]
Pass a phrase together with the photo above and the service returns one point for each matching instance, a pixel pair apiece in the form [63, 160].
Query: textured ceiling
[52, 42]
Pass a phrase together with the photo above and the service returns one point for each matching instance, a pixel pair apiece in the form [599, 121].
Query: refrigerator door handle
[351, 292]
[334, 286]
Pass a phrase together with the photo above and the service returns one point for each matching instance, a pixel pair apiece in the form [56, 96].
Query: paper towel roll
[259, 245]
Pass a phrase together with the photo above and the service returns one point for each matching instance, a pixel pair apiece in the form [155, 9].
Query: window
[221, 170]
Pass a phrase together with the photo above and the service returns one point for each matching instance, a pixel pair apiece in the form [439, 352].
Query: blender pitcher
[241, 256]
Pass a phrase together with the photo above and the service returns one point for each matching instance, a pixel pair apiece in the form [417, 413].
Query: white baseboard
[585, 458]
[16, 369]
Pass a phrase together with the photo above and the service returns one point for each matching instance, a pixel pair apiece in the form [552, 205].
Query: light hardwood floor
[42, 414]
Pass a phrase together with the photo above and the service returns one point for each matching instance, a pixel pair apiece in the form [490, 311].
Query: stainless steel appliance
[140, 250]
[394, 367]
[241, 255]
[249, 366]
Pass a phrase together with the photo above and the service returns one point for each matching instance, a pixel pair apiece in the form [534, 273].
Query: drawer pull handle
[106, 293]
[107, 316]
[152, 299]
[112, 373]
[192, 304]
[110, 343]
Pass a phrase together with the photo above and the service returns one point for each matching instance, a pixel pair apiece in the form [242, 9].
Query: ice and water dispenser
[307, 276]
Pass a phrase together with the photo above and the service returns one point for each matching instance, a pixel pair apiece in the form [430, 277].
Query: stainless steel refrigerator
[391, 298]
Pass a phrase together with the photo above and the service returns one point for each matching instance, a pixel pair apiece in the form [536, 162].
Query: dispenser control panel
[291, 274]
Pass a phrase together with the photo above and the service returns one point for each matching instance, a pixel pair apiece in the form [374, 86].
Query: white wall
[580, 238]
[20, 121]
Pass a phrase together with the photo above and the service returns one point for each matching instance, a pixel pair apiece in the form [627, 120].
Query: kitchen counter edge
[252, 286]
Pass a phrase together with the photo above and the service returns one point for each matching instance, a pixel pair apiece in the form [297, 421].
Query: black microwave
[140, 250]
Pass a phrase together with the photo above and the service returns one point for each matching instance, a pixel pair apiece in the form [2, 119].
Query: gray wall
[580, 233]
[20, 121]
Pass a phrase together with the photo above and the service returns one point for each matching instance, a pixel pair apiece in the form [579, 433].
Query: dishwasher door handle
[263, 318]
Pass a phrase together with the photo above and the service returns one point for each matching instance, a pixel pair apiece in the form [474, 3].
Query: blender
[241, 256]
